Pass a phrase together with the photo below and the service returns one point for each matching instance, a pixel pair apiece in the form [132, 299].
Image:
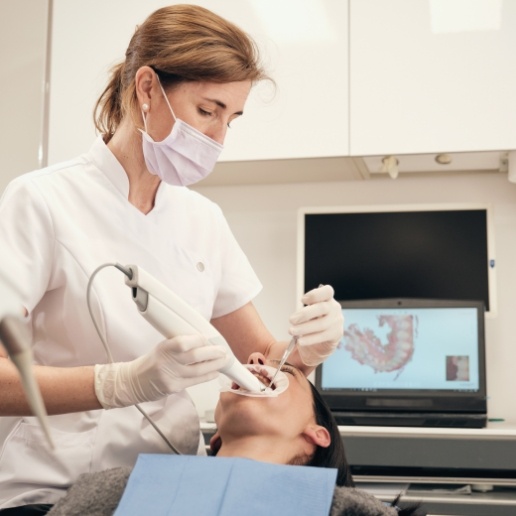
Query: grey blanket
[98, 494]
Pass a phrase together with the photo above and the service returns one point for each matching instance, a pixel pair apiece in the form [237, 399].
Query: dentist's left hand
[170, 367]
[319, 325]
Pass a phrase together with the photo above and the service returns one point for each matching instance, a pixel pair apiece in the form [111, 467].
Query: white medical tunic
[60, 224]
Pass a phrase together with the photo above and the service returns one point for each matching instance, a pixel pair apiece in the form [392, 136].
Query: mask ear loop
[145, 106]
[143, 111]
[166, 99]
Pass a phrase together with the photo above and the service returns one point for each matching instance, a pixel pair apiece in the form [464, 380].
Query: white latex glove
[319, 325]
[170, 367]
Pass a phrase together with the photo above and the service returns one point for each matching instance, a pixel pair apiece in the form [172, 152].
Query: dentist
[162, 121]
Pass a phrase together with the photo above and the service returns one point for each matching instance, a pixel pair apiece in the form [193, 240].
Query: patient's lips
[264, 374]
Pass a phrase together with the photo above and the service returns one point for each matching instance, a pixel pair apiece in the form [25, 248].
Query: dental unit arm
[172, 316]
[13, 336]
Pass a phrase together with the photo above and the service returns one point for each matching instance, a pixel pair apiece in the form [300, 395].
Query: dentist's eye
[203, 112]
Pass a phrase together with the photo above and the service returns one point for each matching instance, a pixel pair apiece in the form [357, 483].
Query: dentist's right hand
[170, 367]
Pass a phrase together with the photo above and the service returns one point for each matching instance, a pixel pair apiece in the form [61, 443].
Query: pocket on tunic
[29, 463]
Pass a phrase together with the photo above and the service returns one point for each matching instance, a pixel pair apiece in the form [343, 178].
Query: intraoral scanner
[172, 316]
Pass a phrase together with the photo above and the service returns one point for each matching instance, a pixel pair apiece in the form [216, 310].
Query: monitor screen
[426, 252]
[408, 354]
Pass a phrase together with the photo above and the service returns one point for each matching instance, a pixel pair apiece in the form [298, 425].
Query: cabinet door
[432, 76]
[304, 46]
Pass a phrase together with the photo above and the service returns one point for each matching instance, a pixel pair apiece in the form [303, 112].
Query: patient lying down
[295, 427]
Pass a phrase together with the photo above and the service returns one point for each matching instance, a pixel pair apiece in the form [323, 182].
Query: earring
[145, 107]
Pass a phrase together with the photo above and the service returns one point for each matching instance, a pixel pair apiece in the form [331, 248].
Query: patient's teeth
[264, 374]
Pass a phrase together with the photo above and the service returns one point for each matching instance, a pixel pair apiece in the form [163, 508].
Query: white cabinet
[304, 47]
[432, 76]
[354, 77]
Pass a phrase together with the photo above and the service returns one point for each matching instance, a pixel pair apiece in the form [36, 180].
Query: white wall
[264, 221]
[23, 32]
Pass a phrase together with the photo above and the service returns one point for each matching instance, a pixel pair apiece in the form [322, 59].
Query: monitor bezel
[412, 400]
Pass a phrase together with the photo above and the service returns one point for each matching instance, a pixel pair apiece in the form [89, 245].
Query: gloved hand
[170, 367]
[319, 325]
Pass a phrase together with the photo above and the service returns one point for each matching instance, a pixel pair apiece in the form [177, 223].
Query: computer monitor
[408, 362]
[440, 251]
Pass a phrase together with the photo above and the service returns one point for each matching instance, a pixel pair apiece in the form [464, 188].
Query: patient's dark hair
[334, 455]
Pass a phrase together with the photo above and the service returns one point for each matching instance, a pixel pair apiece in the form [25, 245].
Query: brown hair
[181, 43]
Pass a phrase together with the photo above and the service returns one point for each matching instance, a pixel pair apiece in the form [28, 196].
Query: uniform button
[200, 266]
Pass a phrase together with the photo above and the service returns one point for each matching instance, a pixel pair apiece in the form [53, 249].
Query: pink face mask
[184, 157]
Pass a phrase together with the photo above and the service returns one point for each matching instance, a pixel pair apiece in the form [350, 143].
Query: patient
[296, 427]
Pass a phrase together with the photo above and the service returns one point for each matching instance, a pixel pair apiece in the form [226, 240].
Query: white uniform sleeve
[26, 240]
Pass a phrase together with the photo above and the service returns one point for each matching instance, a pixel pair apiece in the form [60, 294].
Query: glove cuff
[105, 379]
[118, 385]
[111, 389]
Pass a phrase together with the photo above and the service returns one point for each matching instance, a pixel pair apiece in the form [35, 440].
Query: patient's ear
[318, 435]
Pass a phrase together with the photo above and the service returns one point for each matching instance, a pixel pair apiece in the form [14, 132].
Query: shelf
[348, 168]
[494, 430]
[281, 171]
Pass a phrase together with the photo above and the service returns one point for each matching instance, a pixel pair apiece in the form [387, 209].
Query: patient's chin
[264, 374]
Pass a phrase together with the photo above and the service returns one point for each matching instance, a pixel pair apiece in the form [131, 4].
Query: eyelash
[289, 370]
[209, 114]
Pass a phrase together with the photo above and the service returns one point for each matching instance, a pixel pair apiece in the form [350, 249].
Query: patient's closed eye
[289, 370]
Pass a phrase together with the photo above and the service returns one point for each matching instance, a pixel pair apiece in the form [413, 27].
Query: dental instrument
[286, 354]
[172, 316]
[13, 336]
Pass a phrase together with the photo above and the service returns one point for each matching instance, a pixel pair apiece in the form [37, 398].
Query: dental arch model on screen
[367, 347]
[424, 346]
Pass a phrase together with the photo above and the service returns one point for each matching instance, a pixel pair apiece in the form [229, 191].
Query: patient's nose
[257, 358]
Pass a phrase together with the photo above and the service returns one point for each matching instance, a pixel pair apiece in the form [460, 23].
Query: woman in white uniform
[162, 119]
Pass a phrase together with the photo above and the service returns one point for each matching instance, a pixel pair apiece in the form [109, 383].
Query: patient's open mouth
[264, 374]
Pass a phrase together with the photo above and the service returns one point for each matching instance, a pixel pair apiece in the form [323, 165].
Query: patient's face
[283, 416]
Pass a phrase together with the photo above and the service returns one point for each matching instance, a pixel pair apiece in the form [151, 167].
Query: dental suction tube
[172, 316]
